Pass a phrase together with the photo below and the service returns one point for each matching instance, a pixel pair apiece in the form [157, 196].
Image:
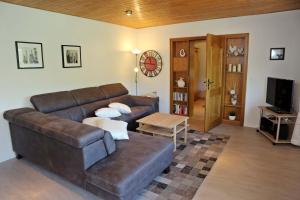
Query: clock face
[150, 63]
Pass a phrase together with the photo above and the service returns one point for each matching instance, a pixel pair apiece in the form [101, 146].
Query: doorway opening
[197, 93]
[203, 73]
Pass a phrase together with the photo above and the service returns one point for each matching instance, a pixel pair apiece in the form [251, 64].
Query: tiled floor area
[250, 167]
[191, 164]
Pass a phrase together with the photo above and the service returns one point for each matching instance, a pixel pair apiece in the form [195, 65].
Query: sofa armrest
[73, 133]
[10, 115]
[146, 101]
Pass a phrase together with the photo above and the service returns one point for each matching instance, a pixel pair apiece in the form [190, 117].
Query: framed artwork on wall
[71, 56]
[29, 55]
[277, 53]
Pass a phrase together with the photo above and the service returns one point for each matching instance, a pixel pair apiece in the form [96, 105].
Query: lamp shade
[135, 51]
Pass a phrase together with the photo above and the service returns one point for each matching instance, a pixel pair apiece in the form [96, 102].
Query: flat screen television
[280, 94]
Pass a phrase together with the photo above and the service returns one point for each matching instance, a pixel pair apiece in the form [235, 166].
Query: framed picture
[29, 55]
[277, 53]
[71, 56]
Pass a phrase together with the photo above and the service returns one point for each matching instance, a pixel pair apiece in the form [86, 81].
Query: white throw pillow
[107, 113]
[117, 129]
[122, 108]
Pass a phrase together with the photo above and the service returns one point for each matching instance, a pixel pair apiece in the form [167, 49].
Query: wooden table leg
[174, 138]
[140, 125]
[278, 129]
[185, 131]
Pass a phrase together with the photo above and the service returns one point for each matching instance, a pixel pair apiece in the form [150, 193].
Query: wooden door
[214, 65]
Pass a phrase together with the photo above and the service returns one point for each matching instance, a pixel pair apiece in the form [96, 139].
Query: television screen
[280, 93]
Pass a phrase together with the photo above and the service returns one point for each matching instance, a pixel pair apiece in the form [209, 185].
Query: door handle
[209, 83]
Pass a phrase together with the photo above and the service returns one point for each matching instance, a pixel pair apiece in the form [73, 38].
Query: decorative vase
[180, 82]
[240, 51]
[232, 118]
[233, 101]
[232, 49]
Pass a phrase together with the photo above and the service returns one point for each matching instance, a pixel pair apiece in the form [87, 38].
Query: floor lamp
[136, 52]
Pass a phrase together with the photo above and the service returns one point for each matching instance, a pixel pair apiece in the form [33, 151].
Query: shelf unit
[278, 119]
[179, 68]
[234, 79]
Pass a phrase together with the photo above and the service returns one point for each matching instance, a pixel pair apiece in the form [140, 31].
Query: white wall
[266, 31]
[105, 57]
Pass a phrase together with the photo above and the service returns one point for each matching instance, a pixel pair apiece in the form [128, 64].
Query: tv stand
[281, 125]
[277, 110]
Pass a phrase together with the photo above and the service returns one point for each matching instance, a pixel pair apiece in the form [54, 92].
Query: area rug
[192, 163]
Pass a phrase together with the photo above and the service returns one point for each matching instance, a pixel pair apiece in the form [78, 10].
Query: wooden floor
[197, 120]
[250, 167]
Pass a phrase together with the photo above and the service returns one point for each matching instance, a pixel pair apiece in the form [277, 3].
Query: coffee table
[165, 125]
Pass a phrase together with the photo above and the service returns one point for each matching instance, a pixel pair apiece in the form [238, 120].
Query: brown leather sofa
[52, 136]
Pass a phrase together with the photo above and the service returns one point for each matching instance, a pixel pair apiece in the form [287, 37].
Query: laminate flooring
[250, 168]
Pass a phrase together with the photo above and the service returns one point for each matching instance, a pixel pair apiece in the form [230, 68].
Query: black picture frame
[277, 53]
[36, 57]
[69, 62]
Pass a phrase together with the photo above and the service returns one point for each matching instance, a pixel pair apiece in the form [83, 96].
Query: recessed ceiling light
[128, 12]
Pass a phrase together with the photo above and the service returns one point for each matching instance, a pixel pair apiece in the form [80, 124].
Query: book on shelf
[180, 96]
[180, 109]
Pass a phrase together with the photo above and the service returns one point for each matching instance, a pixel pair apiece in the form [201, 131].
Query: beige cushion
[117, 129]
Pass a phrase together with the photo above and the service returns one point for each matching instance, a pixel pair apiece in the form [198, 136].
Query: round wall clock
[150, 63]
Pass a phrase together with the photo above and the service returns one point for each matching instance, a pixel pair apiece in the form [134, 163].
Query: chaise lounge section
[52, 136]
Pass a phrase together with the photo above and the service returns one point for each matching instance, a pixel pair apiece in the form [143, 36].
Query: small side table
[279, 119]
[164, 124]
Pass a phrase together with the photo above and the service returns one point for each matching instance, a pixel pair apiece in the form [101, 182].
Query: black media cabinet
[276, 127]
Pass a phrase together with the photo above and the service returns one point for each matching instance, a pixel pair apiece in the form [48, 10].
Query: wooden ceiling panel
[148, 13]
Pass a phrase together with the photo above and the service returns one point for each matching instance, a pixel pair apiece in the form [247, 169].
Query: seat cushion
[137, 112]
[132, 166]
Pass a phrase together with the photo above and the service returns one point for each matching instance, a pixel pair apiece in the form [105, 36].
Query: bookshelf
[179, 97]
[235, 76]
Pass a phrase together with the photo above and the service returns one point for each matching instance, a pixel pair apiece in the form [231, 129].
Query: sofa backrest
[113, 90]
[55, 101]
[80, 103]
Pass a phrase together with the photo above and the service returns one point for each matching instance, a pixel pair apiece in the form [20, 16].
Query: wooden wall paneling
[149, 13]
[180, 64]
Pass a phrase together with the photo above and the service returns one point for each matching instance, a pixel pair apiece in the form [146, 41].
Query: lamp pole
[136, 52]
[136, 74]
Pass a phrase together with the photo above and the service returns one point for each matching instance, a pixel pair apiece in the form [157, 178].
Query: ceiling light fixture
[128, 12]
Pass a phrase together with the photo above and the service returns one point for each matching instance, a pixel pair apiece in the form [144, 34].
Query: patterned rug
[191, 164]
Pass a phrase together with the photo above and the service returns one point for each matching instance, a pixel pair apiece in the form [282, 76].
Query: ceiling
[148, 13]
